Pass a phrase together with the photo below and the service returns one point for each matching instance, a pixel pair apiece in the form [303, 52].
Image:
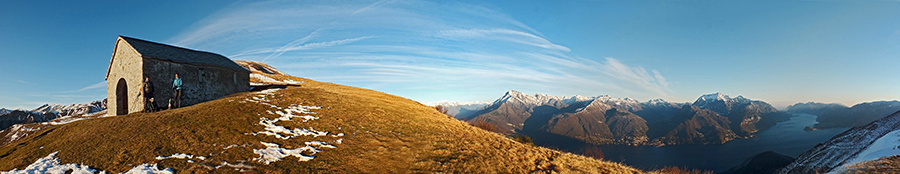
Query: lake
[787, 138]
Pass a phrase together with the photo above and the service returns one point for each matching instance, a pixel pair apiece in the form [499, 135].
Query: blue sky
[781, 52]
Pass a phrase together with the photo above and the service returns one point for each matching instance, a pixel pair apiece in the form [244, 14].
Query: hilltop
[309, 126]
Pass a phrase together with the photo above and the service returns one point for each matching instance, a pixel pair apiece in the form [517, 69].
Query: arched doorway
[121, 97]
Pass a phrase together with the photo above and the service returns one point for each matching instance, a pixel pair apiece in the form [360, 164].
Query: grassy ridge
[383, 134]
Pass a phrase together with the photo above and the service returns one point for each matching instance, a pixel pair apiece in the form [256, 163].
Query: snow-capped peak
[595, 103]
[513, 95]
[657, 102]
[714, 97]
[536, 99]
[72, 109]
[579, 98]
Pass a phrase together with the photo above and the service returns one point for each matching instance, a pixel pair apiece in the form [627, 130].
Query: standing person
[147, 88]
[176, 85]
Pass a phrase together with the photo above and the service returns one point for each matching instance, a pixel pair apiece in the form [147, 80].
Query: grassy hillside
[890, 164]
[343, 129]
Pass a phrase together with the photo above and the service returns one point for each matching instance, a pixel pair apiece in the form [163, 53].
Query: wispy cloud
[639, 76]
[406, 47]
[25, 82]
[94, 86]
[286, 48]
[316, 45]
[297, 45]
[374, 5]
[501, 34]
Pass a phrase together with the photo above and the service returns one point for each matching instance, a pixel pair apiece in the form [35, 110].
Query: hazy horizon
[781, 52]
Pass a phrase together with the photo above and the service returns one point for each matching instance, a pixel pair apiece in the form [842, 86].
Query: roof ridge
[180, 54]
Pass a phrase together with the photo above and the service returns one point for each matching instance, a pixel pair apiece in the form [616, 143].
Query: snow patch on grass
[319, 144]
[239, 166]
[50, 164]
[263, 78]
[273, 153]
[289, 81]
[288, 113]
[181, 156]
[285, 133]
[148, 168]
[70, 119]
[18, 131]
[294, 112]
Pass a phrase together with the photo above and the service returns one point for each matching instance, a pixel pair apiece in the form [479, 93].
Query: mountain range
[833, 115]
[459, 110]
[48, 112]
[711, 119]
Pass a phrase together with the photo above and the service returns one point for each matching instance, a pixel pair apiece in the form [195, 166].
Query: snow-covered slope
[16, 124]
[854, 145]
[72, 109]
[883, 147]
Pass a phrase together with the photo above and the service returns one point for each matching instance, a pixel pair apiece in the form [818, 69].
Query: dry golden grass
[383, 134]
[487, 126]
[889, 164]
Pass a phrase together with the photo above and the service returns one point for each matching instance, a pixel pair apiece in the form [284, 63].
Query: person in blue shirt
[176, 85]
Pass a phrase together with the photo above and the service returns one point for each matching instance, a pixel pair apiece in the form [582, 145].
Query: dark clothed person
[147, 89]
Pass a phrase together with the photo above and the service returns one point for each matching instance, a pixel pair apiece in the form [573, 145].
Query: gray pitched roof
[181, 55]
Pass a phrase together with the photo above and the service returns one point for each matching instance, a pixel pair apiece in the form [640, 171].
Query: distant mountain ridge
[48, 112]
[459, 110]
[837, 115]
[814, 108]
[712, 119]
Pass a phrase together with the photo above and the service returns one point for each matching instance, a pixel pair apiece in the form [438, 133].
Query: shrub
[592, 151]
[441, 109]
[522, 139]
[480, 123]
[676, 170]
